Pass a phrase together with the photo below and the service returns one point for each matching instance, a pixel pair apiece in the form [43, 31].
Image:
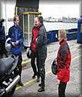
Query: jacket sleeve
[3, 32]
[31, 39]
[60, 75]
[9, 36]
[42, 38]
[21, 38]
[63, 57]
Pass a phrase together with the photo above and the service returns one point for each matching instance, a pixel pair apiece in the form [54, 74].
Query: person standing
[63, 63]
[42, 51]
[16, 35]
[33, 47]
[2, 39]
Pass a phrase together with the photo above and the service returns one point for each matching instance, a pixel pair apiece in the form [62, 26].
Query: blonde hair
[16, 16]
[62, 33]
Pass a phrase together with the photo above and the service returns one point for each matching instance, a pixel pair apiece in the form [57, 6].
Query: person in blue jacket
[16, 40]
[2, 39]
[79, 30]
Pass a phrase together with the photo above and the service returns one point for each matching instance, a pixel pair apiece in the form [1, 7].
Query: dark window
[28, 3]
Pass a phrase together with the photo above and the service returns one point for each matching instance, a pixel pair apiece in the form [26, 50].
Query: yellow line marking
[24, 62]
[80, 96]
[75, 58]
[27, 83]
[32, 80]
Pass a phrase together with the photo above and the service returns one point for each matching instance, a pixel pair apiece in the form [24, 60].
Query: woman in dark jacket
[63, 63]
[2, 39]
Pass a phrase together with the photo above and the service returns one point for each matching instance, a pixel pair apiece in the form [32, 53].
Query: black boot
[41, 89]
[34, 76]
[38, 78]
[20, 83]
[40, 85]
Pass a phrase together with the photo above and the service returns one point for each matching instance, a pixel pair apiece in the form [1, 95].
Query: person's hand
[17, 42]
[13, 43]
[36, 39]
[55, 63]
[58, 82]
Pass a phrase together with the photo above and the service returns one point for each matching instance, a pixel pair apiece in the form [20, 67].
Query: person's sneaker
[41, 89]
[20, 83]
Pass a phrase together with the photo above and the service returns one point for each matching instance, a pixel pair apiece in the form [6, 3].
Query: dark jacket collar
[63, 42]
[40, 25]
